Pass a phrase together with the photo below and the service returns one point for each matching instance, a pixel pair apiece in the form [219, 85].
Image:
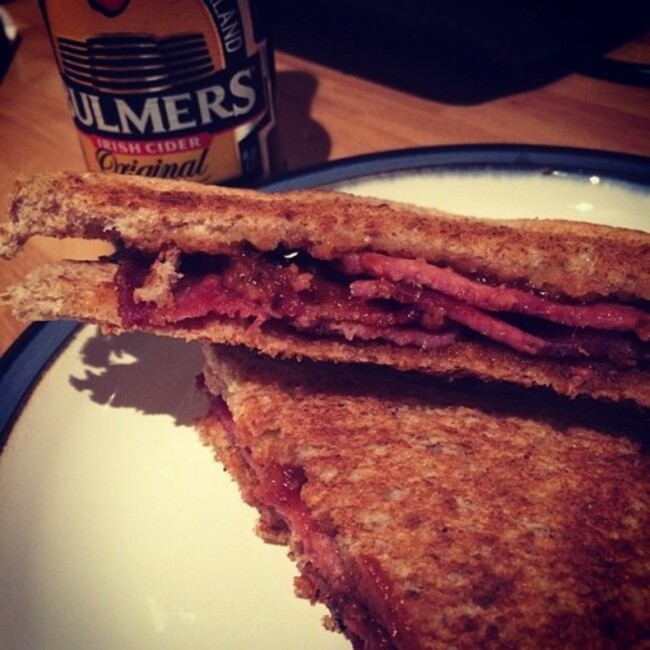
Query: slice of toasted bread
[85, 291]
[562, 257]
[442, 517]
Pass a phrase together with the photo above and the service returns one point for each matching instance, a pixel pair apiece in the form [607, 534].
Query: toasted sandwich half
[446, 518]
[329, 276]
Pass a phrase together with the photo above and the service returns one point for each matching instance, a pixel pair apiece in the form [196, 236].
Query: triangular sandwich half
[329, 276]
[429, 517]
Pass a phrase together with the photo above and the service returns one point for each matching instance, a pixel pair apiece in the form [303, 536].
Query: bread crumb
[163, 275]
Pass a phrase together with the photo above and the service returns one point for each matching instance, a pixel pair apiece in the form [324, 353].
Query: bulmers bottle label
[167, 89]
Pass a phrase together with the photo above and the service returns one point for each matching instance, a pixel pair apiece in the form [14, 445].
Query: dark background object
[458, 51]
[8, 41]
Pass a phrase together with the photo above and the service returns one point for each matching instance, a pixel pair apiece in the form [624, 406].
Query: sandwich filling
[356, 591]
[369, 296]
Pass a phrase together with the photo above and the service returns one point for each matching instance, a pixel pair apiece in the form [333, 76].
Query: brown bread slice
[559, 256]
[459, 518]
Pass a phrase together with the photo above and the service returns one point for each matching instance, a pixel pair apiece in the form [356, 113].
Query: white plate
[118, 530]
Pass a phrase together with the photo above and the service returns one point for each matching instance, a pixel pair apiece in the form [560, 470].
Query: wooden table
[324, 114]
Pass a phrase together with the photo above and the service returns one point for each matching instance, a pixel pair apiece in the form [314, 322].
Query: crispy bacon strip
[580, 343]
[472, 318]
[402, 336]
[601, 315]
[309, 296]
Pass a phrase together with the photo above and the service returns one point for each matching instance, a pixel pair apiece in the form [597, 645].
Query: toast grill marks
[347, 591]
[370, 296]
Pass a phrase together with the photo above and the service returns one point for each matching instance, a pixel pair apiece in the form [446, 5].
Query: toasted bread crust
[564, 257]
[84, 291]
[496, 521]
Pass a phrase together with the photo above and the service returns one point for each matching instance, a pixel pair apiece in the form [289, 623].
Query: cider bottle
[172, 89]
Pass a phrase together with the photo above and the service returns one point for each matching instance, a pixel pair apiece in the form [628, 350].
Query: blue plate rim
[481, 157]
[27, 358]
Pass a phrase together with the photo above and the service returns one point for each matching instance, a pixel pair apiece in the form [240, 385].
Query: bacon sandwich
[451, 518]
[330, 276]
